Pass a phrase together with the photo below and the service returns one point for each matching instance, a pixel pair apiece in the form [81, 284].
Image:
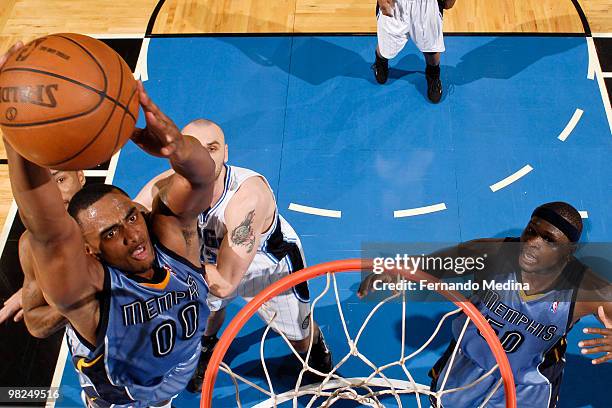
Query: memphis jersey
[532, 331]
[149, 341]
[278, 243]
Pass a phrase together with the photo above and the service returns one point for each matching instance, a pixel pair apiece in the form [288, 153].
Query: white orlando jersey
[278, 243]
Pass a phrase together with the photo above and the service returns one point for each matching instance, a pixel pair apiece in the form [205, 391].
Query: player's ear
[572, 248]
[81, 177]
[225, 158]
[89, 250]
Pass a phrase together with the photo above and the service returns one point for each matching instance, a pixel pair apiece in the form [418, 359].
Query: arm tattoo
[243, 233]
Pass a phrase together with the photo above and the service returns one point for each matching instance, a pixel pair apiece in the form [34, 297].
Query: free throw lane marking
[315, 211]
[411, 212]
[142, 72]
[511, 178]
[570, 125]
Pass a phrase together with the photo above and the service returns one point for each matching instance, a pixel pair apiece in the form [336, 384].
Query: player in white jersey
[247, 244]
[421, 20]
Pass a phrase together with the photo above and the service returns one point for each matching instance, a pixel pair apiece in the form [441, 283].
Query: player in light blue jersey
[129, 286]
[532, 324]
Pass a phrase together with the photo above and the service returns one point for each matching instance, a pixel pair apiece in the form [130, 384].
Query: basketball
[67, 101]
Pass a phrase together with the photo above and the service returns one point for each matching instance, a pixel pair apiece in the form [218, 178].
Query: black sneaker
[208, 346]
[320, 356]
[434, 85]
[381, 69]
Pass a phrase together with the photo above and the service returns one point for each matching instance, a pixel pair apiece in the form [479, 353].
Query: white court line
[142, 70]
[606, 74]
[95, 173]
[411, 212]
[602, 35]
[110, 36]
[8, 223]
[511, 178]
[315, 211]
[592, 52]
[112, 166]
[602, 87]
[584, 214]
[570, 125]
[59, 370]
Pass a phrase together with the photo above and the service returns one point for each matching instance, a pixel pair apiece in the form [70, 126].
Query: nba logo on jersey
[169, 270]
[554, 306]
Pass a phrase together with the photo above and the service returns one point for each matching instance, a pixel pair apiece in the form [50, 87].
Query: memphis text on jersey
[141, 311]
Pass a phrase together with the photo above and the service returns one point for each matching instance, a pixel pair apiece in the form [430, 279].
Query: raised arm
[245, 217]
[150, 190]
[69, 277]
[185, 194]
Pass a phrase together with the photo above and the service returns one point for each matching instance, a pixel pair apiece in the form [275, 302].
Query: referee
[420, 20]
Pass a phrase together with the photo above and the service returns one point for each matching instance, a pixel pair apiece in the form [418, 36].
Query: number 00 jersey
[531, 329]
[149, 339]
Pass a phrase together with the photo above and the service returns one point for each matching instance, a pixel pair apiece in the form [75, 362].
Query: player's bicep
[31, 297]
[244, 221]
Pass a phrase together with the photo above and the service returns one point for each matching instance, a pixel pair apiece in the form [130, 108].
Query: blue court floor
[306, 113]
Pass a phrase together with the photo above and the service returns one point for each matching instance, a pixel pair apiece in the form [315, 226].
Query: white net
[370, 390]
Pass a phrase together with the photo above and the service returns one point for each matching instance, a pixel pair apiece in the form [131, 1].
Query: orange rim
[348, 265]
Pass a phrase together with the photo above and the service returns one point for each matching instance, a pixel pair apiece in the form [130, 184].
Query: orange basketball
[67, 101]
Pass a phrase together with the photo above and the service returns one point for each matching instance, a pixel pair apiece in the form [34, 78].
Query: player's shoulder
[595, 284]
[594, 290]
[252, 190]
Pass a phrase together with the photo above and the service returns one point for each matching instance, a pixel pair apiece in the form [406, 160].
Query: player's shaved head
[205, 131]
[212, 138]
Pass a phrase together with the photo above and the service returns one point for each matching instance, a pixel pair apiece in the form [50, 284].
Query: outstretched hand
[369, 283]
[602, 344]
[12, 307]
[160, 137]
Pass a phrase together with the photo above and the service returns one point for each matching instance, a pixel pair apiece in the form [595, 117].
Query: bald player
[248, 245]
[532, 325]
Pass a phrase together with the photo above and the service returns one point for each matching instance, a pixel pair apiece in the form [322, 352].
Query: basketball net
[369, 390]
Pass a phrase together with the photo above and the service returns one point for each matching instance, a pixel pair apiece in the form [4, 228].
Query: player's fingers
[145, 100]
[606, 320]
[607, 357]
[595, 350]
[10, 52]
[597, 330]
[153, 124]
[19, 316]
[364, 287]
[592, 342]
[168, 150]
